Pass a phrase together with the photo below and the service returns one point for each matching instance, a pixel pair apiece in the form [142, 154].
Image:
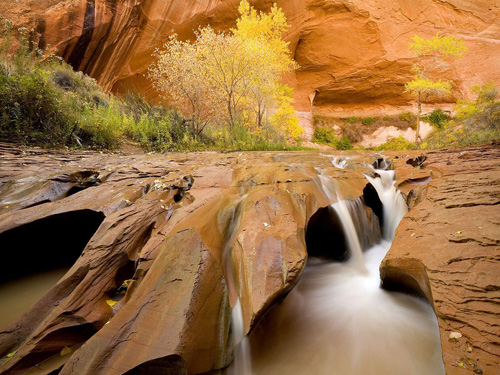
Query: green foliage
[476, 122]
[437, 118]
[408, 117]
[369, 120]
[327, 136]
[363, 120]
[352, 120]
[399, 143]
[43, 101]
[486, 93]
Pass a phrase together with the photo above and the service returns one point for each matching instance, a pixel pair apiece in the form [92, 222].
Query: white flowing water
[338, 321]
[394, 205]
[242, 357]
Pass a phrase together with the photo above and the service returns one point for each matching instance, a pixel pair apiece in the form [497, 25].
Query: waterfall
[338, 321]
[394, 206]
[242, 364]
[356, 252]
[242, 356]
[340, 207]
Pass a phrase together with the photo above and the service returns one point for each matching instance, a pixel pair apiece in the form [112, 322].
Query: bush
[409, 117]
[476, 122]
[353, 134]
[30, 109]
[399, 143]
[43, 101]
[327, 136]
[352, 120]
[437, 118]
[368, 120]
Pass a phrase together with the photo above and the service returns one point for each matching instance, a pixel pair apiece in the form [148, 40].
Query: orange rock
[446, 250]
[353, 54]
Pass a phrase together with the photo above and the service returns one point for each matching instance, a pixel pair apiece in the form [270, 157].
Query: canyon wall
[353, 53]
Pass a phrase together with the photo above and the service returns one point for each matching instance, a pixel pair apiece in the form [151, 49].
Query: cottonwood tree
[179, 74]
[431, 55]
[223, 77]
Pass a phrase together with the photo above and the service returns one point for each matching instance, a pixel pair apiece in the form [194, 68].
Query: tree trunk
[419, 111]
[230, 112]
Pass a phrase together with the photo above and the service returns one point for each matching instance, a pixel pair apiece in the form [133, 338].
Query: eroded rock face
[353, 53]
[180, 239]
[447, 250]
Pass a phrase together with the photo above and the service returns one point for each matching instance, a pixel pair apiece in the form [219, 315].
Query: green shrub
[327, 136]
[343, 144]
[408, 117]
[352, 120]
[31, 110]
[369, 120]
[324, 135]
[399, 143]
[437, 118]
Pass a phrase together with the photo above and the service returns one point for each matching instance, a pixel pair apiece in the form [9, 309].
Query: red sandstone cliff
[353, 53]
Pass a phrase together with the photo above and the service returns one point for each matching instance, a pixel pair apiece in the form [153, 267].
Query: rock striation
[164, 246]
[447, 250]
[173, 242]
[353, 53]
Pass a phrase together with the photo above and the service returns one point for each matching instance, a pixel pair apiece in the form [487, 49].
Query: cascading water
[242, 357]
[338, 320]
[394, 205]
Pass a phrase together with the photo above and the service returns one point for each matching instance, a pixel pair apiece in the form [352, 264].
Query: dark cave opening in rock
[36, 255]
[325, 234]
[46, 244]
[325, 237]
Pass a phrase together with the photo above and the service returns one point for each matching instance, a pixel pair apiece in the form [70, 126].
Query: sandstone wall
[353, 53]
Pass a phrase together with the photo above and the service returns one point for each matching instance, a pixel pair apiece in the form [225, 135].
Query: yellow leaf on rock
[110, 302]
[459, 231]
[65, 351]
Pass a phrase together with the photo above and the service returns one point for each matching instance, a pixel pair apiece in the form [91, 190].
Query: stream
[338, 321]
[17, 296]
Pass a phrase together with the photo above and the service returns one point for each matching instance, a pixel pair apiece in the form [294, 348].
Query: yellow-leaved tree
[223, 78]
[431, 56]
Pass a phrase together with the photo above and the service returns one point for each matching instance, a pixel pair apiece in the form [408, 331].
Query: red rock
[446, 249]
[113, 42]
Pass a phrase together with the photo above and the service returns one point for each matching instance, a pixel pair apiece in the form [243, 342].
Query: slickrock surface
[447, 249]
[175, 239]
[353, 53]
[180, 238]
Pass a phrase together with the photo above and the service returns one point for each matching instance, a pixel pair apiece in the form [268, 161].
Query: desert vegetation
[222, 91]
[431, 55]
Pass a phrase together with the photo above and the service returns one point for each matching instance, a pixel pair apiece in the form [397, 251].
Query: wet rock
[154, 286]
[446, 249]
[157, 263]
[416, 162]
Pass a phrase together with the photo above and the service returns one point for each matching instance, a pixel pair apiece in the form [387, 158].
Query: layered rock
[353, 54]
[180, 238]
[447, 250]
[175, 240]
